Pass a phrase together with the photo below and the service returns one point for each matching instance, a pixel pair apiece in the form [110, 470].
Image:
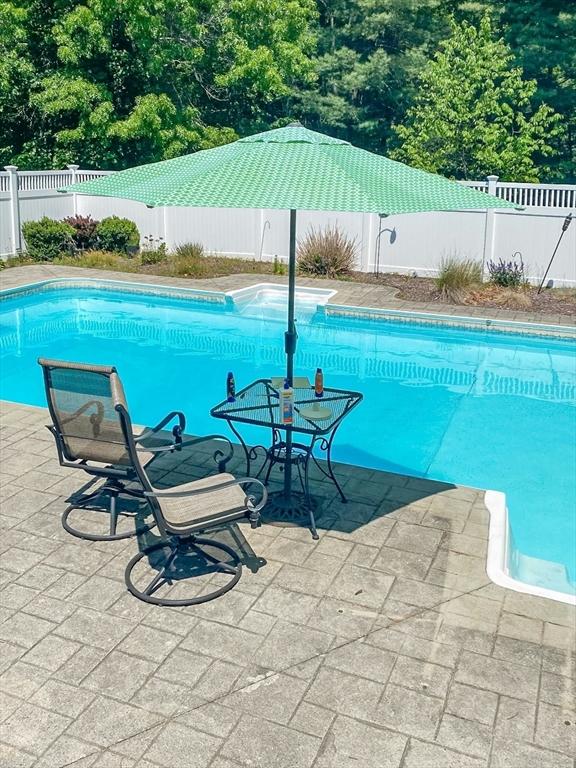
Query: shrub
[154, 255]
[328, 252]
[456, 276]
[188, 260]
[507, 274]
[84, 231]
[153, 250]
[116, 234]
[190, 250]
[47, 238]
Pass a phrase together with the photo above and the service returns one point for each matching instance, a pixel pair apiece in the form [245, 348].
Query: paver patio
[383, 644]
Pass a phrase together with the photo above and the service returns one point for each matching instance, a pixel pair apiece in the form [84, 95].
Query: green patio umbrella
[290, 168]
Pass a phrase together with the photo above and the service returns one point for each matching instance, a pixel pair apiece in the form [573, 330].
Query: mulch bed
[423, 289]
[561, 301]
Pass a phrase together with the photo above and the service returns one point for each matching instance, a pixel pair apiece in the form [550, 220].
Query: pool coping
[499, 545]
[489, 324]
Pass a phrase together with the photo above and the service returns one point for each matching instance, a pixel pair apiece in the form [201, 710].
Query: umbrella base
[295, 508]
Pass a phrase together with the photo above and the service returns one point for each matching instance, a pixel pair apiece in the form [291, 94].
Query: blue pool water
[473, 407]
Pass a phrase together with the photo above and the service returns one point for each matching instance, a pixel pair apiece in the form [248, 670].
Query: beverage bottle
[319, 383]
[287, 403]
[230, 387]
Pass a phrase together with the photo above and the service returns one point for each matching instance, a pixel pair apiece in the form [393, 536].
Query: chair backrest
[83, 401]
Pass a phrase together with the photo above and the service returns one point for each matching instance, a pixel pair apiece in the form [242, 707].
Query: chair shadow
[172, 470]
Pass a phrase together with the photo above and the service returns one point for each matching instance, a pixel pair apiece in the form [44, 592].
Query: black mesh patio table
[316, 419]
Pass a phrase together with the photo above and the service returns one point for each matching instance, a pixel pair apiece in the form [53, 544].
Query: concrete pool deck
[384, 644]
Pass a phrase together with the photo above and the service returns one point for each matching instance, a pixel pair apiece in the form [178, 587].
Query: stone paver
[262, 744]
[384, 644]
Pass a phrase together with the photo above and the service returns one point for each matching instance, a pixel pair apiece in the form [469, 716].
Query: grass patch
[327, 252]
[456, 277]
[100, 260]
[188, 260]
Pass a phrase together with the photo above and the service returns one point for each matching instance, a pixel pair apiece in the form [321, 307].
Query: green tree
[114, 84]
[541, 34]
[472, 114]
[369, 55]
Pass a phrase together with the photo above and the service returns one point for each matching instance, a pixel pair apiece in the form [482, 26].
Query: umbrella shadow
[373, 488]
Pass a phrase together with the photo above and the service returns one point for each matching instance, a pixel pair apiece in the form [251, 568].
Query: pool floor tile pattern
[384, 644]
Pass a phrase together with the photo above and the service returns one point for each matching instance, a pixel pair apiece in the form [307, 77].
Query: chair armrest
[221, 456]
[250, 500]
[161, 424]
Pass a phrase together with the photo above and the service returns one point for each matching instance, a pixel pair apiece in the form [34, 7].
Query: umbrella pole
[290, 345]
[285, 505]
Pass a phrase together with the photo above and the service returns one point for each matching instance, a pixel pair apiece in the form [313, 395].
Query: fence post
[490, 226]
[14, 208]
[165, 225]
[73, 168]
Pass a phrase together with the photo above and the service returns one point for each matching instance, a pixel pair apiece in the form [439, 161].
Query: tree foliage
[541, 35]
[473, 111]
[113, 84]
[369, 56]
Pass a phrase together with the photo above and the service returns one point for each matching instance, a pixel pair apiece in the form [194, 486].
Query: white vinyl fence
[421, 240]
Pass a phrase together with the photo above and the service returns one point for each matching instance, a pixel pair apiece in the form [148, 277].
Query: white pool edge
[498, 556]
[323, 295]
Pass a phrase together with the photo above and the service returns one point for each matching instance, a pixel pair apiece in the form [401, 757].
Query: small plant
[190, 250]
[84, 231]
[153, 250]
[279, 268]
[512, 298]
[507, 274]
[47, 239]
[456, 276]
[328, 252]
[188, 260]
[116, 234]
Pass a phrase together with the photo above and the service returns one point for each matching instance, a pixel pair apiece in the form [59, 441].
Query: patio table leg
[325, 444]
[306, 488]
[250, 454]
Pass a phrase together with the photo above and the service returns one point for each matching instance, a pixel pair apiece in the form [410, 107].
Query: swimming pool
[469, 406]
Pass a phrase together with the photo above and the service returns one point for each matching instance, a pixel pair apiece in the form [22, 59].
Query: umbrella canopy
[292, 168]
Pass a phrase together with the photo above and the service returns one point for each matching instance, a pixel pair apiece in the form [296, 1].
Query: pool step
[542, 573]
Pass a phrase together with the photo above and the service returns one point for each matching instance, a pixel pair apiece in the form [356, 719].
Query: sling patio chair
[181, 513]
[88, 430]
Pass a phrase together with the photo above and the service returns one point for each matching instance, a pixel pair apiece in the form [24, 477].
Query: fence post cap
[11, 168]
[72, 166]
[492, 177]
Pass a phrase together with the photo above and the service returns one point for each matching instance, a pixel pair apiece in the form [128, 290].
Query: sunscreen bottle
[319, 383]
[287, 403]
[230, 388]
